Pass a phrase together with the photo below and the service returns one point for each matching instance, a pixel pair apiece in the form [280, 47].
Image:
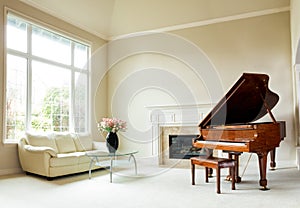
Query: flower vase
[112, 142]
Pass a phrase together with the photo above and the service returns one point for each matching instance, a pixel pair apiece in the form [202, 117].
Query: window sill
[10, 142]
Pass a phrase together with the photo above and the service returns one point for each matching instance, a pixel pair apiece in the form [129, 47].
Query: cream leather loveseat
[56, 154]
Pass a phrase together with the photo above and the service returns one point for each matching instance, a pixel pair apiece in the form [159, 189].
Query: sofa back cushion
[78, 144]
[44, 140]
[83, 143]
[65, 142]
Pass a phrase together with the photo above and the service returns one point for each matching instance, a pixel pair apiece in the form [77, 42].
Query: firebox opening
[180, 147]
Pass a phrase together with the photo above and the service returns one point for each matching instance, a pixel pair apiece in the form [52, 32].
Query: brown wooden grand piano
[229, 125]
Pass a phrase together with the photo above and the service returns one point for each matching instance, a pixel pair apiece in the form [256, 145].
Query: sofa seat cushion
[44, 140]
[67, 159]
[84, 159]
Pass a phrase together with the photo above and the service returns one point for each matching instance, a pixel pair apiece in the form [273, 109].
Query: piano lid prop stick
[247, 163]
[268, 109]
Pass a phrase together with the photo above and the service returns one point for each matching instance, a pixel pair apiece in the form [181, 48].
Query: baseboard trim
[10, 171]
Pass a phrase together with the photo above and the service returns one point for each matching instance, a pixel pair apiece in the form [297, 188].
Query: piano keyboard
[237, 144]
[230, 146]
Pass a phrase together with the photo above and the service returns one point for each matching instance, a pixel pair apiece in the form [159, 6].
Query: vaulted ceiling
[113, 18]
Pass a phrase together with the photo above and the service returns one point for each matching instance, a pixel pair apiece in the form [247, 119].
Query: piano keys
[229, 126]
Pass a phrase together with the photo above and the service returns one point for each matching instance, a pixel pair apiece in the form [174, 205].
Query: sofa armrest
[35, 159]
[40, 149]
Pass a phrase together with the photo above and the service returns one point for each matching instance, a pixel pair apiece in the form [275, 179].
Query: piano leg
[209, 153]
[235, 156]
[210, 172]
[262, 159]
[272, 155]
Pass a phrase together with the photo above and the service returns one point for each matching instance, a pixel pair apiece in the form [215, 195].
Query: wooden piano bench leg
[218, 180]
[233, 171]
[207, 172]
[193, 172]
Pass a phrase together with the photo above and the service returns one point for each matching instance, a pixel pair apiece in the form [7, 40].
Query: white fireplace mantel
[178, 114]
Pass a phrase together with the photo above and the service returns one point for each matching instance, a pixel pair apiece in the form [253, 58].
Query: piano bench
[216, 163]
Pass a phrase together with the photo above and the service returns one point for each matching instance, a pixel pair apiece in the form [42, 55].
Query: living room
[165, 64]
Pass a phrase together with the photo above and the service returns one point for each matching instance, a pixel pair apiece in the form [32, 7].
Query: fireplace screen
[180, 147]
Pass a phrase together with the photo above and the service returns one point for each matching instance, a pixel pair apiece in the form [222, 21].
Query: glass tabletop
[98, 153]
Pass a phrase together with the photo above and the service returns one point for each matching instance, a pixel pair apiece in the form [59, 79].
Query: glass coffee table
[97, 159]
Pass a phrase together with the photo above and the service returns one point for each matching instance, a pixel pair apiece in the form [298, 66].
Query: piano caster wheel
[264, 188]
[237, 179]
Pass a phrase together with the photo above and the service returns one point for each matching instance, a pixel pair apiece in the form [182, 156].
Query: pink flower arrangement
[112, 125]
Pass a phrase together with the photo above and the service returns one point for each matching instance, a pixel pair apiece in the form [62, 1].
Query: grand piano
[229, 126]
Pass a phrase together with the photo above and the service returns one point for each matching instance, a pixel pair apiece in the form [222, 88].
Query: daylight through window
[47, 77]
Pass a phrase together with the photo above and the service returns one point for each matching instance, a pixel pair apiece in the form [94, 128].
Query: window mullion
[88, 97]
[29, 78]
[72, 90]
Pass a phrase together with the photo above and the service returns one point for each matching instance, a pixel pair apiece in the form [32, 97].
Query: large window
[47, 77]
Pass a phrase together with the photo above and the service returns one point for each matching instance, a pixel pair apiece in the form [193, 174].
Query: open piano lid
[248, 100]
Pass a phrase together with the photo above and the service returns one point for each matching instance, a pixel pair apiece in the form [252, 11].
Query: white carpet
[152, 187]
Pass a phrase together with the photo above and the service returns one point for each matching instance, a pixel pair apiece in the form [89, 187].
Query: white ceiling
[109, 19]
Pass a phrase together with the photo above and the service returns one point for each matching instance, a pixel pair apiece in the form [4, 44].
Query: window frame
[30, 58]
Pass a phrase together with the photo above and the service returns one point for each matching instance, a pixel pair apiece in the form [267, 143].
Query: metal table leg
[90, 168]
[111, 168]
[134, 160]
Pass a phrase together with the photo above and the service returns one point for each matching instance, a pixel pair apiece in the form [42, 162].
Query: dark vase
[112, 142]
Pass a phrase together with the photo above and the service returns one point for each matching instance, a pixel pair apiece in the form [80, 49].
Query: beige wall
[295, 47]
[260, 44]
[8, 152]
[295, 29]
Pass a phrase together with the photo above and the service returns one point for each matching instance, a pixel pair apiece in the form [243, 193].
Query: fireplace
[180, 146]
[181, 138]
[181, 120]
